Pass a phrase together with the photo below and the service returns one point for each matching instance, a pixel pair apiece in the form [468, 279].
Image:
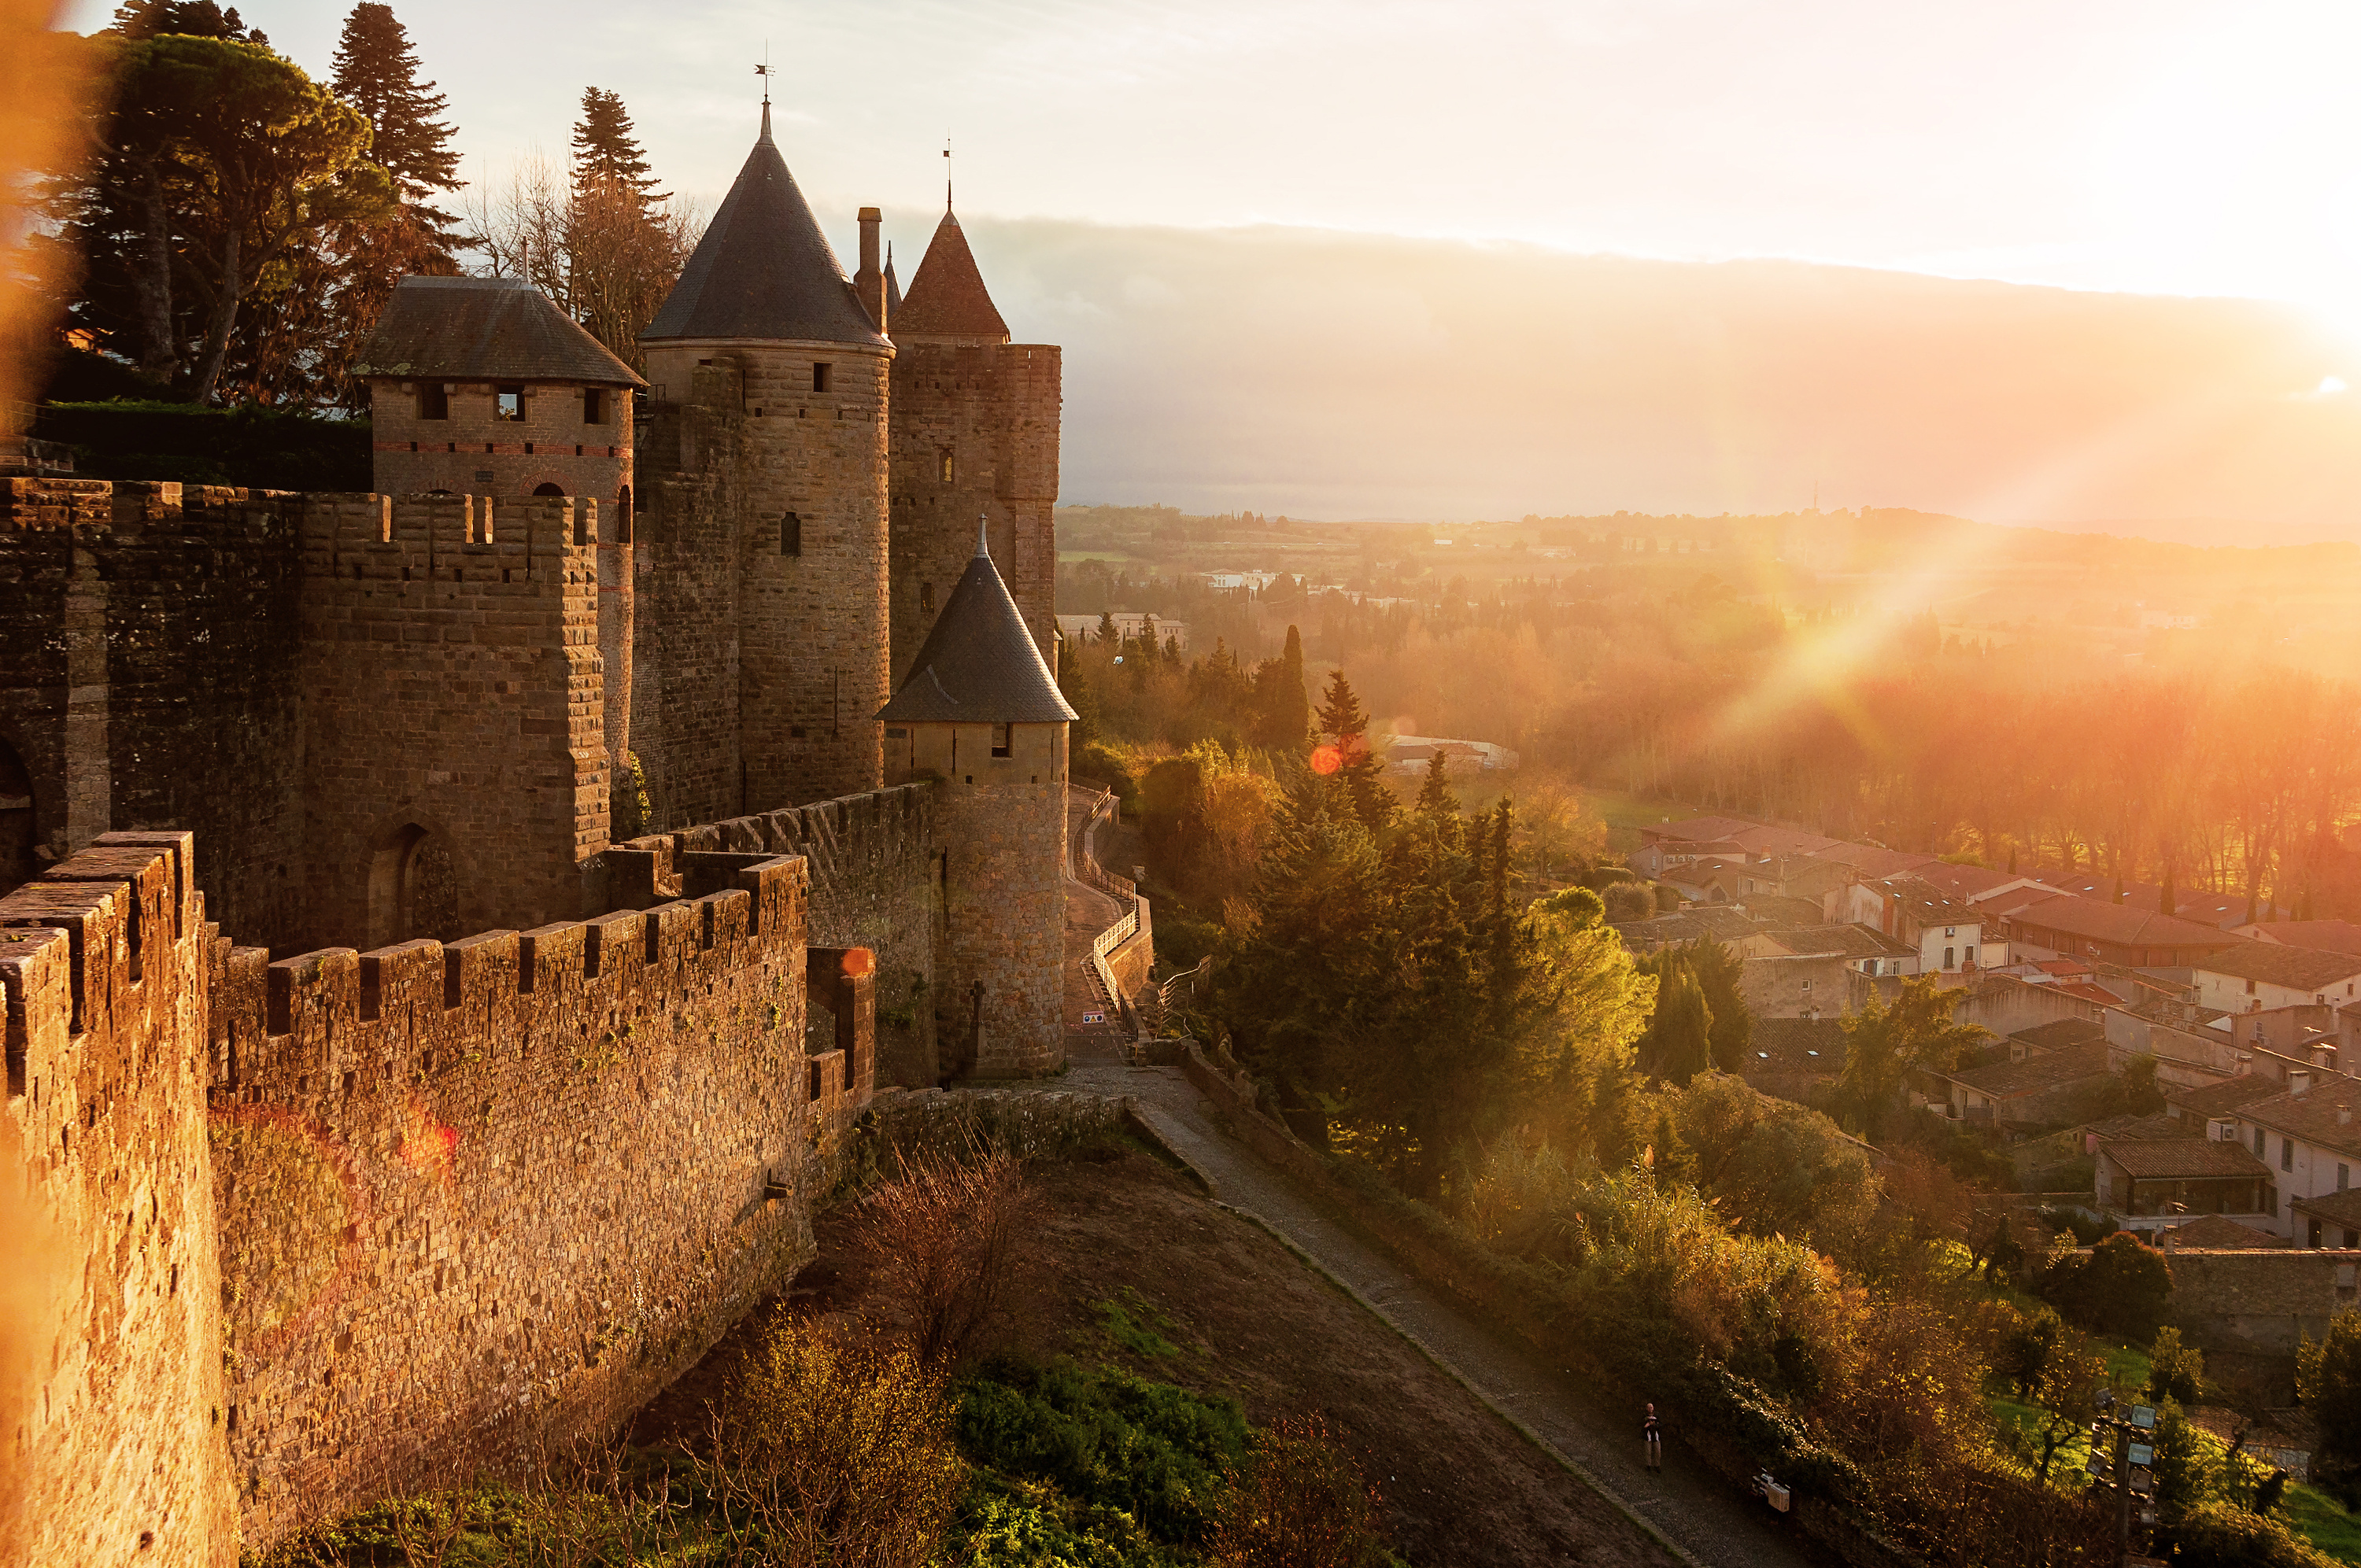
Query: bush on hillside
[2123, 1286]
[1107, 1438]
[1300, 1501]
[947, 1239]
[2216, 1535]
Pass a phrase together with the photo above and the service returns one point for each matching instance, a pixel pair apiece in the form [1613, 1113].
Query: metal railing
[1090, 873]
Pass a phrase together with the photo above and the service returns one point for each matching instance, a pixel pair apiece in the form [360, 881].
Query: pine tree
[1357, 767]
[192, 19]
[377, 72]
[1436, 801]
[1109, 637]
[606, 150]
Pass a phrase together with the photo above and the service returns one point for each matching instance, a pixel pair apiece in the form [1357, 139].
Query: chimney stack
[2344, 1115]
[870, 281]
[2298, 1080]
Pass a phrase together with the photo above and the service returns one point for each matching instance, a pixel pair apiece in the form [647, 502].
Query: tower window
[947, 467]
[594, 405]
[791, 535]
[927, 599]
[507, 403]
[1000, 739]
[433, 401]
[819, 377]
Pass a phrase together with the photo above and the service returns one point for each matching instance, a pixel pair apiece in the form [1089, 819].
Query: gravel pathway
[1693, 1512]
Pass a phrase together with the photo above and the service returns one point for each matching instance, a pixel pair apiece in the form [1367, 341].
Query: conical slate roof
[948, 298]
[764, 270]
[893, 287]
[979, 664]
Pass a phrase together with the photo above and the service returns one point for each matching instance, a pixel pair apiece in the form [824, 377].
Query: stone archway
[413, 887]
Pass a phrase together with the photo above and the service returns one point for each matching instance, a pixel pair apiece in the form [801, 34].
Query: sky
[2204, 151]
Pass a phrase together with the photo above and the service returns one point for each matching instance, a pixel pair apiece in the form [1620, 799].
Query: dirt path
[1701, 1515]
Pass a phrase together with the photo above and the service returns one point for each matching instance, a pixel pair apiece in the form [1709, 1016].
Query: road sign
[1093, 1017]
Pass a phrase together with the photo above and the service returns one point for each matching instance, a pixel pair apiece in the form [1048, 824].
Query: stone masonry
[974, 435]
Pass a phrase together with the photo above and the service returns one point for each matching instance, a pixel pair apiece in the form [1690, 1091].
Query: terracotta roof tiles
[948, 298]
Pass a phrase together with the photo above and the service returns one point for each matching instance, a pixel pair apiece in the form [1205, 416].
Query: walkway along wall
[448, 1203]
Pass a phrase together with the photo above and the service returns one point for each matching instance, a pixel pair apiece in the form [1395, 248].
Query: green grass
[2317, 1517]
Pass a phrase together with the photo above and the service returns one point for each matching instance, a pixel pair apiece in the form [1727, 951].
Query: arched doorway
[413, 889]
[18, 831]
[548, 489]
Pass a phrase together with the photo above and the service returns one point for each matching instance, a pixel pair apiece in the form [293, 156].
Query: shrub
[2219, 1536]
[2175, 1371]
[835, 1450]
[945, 1239]
[1630, 901]
[1105, 1437]
[2328, 1382]
[1299, 1502]
[2123, 1288]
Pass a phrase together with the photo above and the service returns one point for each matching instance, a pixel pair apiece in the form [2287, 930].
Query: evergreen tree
[606, 150]
[1678, 1044]
[1283, 719]
[377, 72]
[1718, 970]
[1436, 804]
[191, 19]
[1357, 767]
[1108, 636]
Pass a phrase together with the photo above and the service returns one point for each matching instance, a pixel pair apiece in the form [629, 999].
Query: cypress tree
[607, 149]
[1678, 1044]
[1108, 636]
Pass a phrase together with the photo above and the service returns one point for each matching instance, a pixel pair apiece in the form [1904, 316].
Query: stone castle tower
[974, 433]
[979, 712]
[762, 637]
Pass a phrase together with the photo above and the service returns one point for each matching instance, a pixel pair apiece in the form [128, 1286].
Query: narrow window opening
[927, 599]
[623, 515]
[433, 401]
[1000, 739]
[594, 405]
[947, 467]
[507, 403]
[791, 534]
[819, 377]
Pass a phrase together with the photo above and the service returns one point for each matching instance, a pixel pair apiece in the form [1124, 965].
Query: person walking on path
[1656, 1436]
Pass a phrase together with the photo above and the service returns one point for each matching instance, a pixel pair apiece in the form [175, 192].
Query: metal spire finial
[947, 174]
[983, 545]
[763, 71]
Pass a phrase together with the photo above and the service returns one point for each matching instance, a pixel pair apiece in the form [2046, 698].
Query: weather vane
[947, 174]
[763, 71]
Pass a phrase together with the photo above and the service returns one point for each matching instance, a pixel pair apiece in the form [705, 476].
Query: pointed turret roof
[764, 270]
[893, 286]
[979, 665]
[948, 299]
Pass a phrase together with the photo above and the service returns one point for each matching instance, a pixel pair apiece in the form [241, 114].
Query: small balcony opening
[791, 535]
[1000, 739]
[433, 401]
[819, 377]
[508, 404]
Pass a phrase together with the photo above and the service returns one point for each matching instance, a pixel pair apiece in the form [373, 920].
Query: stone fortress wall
[553, 441]
[353, 1218]
[393, 706]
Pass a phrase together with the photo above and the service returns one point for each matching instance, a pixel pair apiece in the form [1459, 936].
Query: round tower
[766, 569]
[981, 713]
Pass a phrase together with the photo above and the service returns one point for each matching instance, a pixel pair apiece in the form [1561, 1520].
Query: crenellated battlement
[299, 1028]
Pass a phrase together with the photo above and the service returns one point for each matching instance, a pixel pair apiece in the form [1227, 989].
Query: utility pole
[2134, 1451]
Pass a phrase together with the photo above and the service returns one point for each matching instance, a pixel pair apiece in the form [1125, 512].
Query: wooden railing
[1105, 807]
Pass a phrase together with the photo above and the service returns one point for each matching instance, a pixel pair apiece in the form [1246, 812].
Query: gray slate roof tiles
[979, 664]
[484, 329]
